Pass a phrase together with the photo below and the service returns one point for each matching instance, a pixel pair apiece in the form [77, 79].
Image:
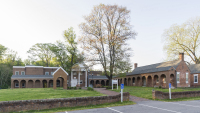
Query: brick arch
[60, 73]
[30, 84]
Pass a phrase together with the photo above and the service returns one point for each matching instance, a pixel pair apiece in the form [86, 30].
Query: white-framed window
[51, 73]
[81, 73]
[22, 72]
[16, 84]
[46, 73]
[81, 81]
[178, 77]
[67, 81]
[195, 78]
[74, 73]
[186, 77]
[16, 72]
[23, 84]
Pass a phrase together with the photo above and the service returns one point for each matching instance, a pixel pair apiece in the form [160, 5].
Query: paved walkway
[111, 93]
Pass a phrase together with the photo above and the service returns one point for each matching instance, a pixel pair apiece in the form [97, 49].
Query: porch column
[71, 77]
[26, 84]
[86, 78]
[20, 85]
[153, 81]
[159, 78]
[12, 84]
[34, 83]
[79, 78]
[47, 83]
[132, 81]
[41, 84]
[146, 81]
[136, 84]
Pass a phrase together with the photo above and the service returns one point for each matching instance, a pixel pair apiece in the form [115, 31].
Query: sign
[73, 82]
[122, 86]
[170, 85]
[114, 81]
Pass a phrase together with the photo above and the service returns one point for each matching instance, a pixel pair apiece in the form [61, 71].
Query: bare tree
[183, 38]
[104, 36]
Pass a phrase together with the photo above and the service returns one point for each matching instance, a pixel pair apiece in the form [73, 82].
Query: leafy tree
[2, 51]
[183, 38]
[104, 35]
[42, 52]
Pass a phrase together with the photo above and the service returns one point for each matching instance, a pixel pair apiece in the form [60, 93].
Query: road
[149, 107]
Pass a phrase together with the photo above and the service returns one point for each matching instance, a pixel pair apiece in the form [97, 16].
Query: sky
[24, 23]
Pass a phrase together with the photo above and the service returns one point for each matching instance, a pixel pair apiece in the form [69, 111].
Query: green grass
[146, 92]
[43, 93]
[80, 107]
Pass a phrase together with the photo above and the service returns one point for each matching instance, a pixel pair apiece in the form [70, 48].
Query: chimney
[135, 65]
[181, 56]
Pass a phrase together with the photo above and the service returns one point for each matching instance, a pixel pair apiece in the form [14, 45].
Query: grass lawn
[146, 92]
[63, 109]
[43, 93]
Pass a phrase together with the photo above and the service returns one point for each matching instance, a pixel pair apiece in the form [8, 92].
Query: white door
[73, 82]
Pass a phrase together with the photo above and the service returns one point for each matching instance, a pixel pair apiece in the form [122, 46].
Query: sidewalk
[111, 93]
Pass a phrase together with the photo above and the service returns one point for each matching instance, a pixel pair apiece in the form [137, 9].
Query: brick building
[176, 72]
[31, 76]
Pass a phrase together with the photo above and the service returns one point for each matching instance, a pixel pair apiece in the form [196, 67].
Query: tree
[183, 38]
[104, 36]
[41, 51]
[2, 51]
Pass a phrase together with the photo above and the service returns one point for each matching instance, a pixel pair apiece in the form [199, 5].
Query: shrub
[159, 87]
[74, 87]
[79, 88]
[90, 89]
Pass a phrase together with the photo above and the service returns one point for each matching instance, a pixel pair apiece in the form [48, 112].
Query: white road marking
[114, 110]
[159, 108]
[184, 104]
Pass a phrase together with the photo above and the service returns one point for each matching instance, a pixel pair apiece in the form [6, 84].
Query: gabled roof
[194, 68]
[58, 69]
[164, 66]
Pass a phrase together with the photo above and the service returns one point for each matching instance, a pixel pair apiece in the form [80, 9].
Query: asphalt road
[149, 107]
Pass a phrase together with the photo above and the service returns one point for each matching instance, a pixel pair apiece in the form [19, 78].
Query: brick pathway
[111, 93]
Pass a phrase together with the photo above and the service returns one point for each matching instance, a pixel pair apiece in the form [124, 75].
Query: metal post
[112, 84]
[169, 93]
[121, 95]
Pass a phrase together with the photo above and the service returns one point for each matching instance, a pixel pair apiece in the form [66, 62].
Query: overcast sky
[24, 23]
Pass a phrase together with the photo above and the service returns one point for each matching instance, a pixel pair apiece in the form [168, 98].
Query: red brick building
[31, 76]
[176, 72]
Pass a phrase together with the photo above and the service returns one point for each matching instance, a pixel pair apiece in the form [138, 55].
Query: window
[81, 81]
[195, 78]
[186, 77]
[23, 84]
[164, 80]
[46, 73]
[16, 72]
[22, 73]
[74, 73]
[51, 73]
[51, 84]
[16, 84]
[178, 77]
[67, 81]
[157, 80]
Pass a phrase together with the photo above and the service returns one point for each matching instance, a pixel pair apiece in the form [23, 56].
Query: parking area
[149, 107]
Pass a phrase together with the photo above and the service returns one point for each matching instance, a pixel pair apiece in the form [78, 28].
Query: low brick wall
[162, 95]
[8, 106]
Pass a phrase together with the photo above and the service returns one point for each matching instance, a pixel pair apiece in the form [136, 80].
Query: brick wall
[187, 94]
[183, 69]
[8, 106]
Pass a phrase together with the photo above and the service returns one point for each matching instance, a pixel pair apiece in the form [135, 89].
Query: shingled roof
[164, 66]
[194, 68]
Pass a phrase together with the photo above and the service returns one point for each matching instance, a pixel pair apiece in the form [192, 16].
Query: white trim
[24, 72]
[16, 71]
[194, 78]
[186, 77]
[18, 67]
[58, 69]
[177, 77]
[51, 67]
[46, 72]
